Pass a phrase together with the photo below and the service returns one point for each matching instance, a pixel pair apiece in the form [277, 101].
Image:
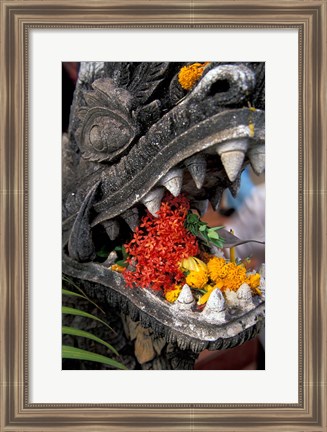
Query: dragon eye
[107, 127]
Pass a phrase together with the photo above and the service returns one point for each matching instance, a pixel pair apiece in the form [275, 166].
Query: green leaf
[71, 311]
[69, 352]
[202, 228]
[76, 332]
[73, 294]
[213, 235]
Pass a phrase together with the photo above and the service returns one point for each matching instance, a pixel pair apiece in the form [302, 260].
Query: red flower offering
[158, 246]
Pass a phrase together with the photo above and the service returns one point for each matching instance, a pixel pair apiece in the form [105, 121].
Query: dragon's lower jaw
[214, 328]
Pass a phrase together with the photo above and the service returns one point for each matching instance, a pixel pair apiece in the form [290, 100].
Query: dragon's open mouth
[196, 145]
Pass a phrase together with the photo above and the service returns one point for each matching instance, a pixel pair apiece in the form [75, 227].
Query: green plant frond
[71, 311]
[82, 295]
[76, 332]
[69, 352]
[73, 294]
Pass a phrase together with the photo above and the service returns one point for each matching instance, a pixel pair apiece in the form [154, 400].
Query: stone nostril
[220, 86]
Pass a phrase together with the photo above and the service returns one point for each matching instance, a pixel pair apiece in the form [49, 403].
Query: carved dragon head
[136, 130]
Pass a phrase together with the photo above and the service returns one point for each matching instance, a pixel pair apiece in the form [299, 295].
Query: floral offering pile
[172, 249]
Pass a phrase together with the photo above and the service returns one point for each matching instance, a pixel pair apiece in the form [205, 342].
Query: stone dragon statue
[135, 132]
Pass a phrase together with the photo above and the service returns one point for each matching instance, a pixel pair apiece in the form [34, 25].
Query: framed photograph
[114, 44]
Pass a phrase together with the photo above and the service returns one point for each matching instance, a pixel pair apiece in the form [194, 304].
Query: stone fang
[152, 200]
[112, 228]
[185, 299]
[244, 295]
[232, 154]
[257, 159]
[173, 181]
[216, 197]
[232, 162]
[197, 166]
[215, 309]
[131, 216]
[201, 206]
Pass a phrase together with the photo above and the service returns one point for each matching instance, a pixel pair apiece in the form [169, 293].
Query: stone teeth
[215, 309]
[216, 197]
[112, 228]
[152, 200]
[257, 159]
[232, 162]
[185, 299]
[244, 295]
[232, 154]
[131, 216]
[197, 166]
[173, 181]
[201, 206]
[235, 187]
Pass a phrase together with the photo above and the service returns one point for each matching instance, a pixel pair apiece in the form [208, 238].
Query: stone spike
[235, 187]
[185, 299]
[152, 200]
[244, 295]
[112, 228]
[131, 217]
[215, 309]
[197, 166]
[173, 181]
[201, 206]
[216, 197]
[232, 161]
[216, 302]
[257, 159]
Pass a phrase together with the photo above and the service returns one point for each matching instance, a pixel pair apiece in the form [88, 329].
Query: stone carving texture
[134, 133]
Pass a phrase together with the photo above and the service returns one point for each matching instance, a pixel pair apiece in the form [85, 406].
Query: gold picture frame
[309, 17]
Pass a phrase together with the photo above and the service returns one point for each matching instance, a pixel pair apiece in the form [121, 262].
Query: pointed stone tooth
[232, 154]
[201, 206]
[152, 200]
[173, 181]
[185, 299]
[215, 309]
[112, 228]
[257, 158]
[216, 197]
[131, 216]
[232, 162]
[197, 166]
[235, 187]
[244, 295]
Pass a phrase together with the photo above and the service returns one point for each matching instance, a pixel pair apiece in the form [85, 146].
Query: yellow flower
[197, 279]
[189, 75]
[214, 267]
[253, 281]
[192, 263]
[172, 295]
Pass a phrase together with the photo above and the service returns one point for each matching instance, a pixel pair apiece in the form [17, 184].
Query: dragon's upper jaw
[198, 148]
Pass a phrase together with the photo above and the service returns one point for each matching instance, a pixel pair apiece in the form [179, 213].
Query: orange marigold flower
[189, 75]
[215, 265]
